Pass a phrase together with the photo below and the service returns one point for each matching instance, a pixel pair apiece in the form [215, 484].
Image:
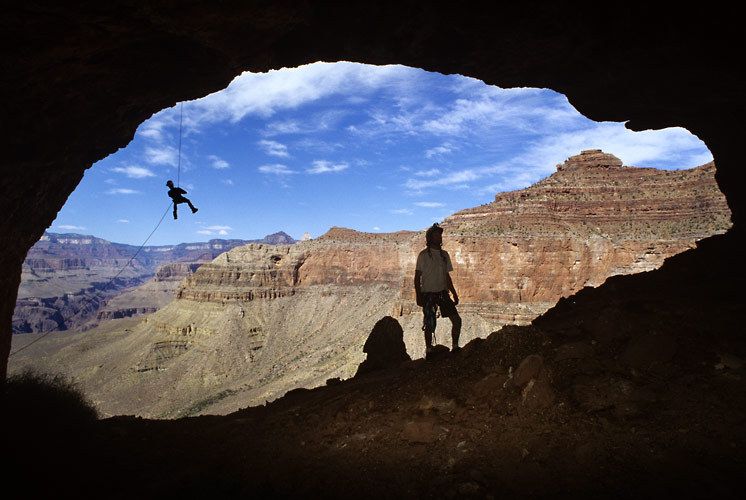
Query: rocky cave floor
[635, 388]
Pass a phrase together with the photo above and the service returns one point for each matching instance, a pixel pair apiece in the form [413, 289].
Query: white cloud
[274, 148]
[427, 173]
[401, 211]
[672, 147]
[458, 178]
[323, 167]
[276, 169]
[429, 204]
[443, 149]
[151, 133]
[227, 182]
[134, 172]
[215, 230]
[283, 127]
[163, 155]
[122, 191]
[123, 221]
[376, 228]
[70, 227]
[264, 94]
[218, 163]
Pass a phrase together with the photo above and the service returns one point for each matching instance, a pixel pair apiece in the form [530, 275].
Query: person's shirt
[434, 266]
[176, 192]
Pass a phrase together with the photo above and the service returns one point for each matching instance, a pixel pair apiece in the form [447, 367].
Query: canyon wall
[262, 319]
[72, 281]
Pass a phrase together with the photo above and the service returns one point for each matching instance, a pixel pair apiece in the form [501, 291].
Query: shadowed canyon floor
[634, 388]
[264, 319]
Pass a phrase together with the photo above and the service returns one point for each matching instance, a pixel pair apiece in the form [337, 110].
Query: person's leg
[429, 319]
[175, 216]
[190, 205]
[455, 331]
[448, 310]
[428, 338]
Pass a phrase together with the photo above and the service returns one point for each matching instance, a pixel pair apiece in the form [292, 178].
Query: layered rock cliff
[71, 280]
[262, 319]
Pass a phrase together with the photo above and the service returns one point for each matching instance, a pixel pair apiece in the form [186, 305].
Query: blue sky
[373, 148]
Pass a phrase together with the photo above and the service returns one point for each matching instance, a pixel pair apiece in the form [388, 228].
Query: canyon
[260, 320]
[83, 76]
[73, 281]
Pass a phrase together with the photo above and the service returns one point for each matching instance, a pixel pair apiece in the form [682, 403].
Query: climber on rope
[432, 284]
[175, 193]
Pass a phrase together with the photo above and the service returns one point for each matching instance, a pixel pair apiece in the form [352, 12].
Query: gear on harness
[430, 316]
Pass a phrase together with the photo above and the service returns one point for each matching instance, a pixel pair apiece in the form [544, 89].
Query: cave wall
[78, 79]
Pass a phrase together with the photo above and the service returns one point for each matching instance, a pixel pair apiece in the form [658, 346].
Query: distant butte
[288, 316]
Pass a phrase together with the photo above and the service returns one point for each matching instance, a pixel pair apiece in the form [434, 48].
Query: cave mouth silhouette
[649, 64]
[161, 130]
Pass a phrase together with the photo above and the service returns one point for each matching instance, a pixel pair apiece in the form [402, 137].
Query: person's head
[434, 235]
[170, 184]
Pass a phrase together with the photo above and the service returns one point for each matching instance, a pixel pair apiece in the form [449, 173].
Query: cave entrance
[376, 149]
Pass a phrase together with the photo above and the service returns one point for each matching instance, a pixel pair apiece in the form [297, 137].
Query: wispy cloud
[227, 182]
[323, 167]
[401, 211]
[453, 178]
[443, 149]
[276, 169]
[274, 148]
[134, 172]
[264, 94]
[152, 133]
[162, 155]
[123, 221]
[218, 163]
[215, 230]
[429, 204]
[122, 191]
[70, 227]
[672, 147]
[427, 173]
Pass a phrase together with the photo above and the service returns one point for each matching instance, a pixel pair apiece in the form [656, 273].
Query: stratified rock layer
[262, 319]
[71, 281]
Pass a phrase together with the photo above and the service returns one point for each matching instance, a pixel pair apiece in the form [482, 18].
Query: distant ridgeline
[66, 277]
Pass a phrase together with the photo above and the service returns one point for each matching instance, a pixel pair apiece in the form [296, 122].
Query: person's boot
[175, 216]
[194, 210]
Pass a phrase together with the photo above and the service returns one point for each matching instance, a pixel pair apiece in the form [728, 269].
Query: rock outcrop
[262, 319]
[72, 281]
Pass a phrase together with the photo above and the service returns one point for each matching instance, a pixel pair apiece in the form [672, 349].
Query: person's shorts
[443, 301]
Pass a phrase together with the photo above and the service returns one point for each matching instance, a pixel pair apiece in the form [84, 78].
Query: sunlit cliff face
[76, 94]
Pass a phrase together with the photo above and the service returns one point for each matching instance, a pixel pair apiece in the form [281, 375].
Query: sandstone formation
[68, 279]
[262, 319]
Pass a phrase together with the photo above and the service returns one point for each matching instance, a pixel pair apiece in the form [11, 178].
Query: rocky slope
[262, 319]
[68, 278]
[632, 389]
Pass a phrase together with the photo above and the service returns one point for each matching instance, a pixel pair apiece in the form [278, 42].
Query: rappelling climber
[176, 195]
[432, 284]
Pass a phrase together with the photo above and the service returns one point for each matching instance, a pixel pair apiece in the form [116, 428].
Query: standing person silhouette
[175, 193]
[432, 284]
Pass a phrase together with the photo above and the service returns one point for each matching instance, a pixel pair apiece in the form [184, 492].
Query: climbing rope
[178, 179]
[110, 281]
[181, 121]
